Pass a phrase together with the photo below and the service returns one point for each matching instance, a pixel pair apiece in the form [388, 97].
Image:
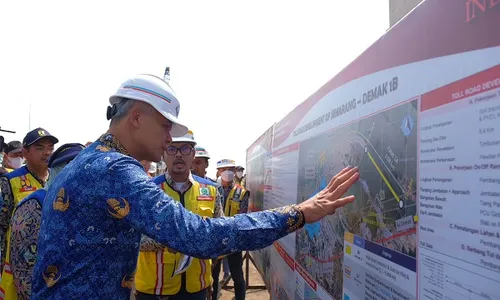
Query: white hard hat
[156, 92]
[226, 163]
[152, 168]
[161, 166]
[201, 152]
[187, 138]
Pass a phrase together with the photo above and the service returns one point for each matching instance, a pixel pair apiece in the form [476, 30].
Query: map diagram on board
[384, 146]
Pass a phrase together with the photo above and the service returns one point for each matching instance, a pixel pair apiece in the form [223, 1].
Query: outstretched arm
[155, 214]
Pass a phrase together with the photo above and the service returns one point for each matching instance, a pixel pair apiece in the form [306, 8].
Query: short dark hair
[122, 108]
[13, 145]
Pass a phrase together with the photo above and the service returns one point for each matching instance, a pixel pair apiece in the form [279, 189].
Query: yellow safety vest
[233, 200]
[154, 269]
[8, 290]
[22, 184]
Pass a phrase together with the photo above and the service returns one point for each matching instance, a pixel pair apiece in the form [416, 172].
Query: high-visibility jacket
[8, 290]
[22, 183]
[232, 206]
[154, 269]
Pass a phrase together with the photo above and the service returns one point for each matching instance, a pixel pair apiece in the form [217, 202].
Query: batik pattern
[89, 250]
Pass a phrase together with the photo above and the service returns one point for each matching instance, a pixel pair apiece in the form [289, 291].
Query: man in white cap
[156, 264]
[88, 247]
[239, 178]
[200, 162]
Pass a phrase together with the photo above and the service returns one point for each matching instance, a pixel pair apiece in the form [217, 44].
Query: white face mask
[16, 162]
[227, 176]
[239, 174]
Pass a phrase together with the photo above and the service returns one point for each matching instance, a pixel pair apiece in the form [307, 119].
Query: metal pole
[5, 130]
[247, 271]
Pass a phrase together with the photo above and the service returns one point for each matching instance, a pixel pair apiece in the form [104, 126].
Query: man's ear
[135, 116]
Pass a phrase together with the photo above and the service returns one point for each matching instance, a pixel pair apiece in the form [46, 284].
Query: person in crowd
[161, 167]
[153, 169]
[38, 145]
[3, 171]
[200, 165]
[89, 250]
[217, 176]
[235, 202]
[200, 162]
[239, 178]
[3, 146]
[13, 156]
[156, 264]
[26, 219]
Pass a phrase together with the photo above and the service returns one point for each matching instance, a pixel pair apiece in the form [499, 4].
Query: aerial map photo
[384, 146]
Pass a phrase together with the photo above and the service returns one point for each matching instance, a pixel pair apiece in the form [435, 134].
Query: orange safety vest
[154, 269]
[233, 200]
[22, 184]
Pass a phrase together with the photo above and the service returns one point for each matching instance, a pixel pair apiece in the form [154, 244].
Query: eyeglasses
[185, 150]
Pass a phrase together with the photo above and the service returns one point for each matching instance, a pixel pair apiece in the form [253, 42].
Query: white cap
[162, 166]
[152, 168]
[201, 152]
[187, 138]
[156, 92]
[226, 163]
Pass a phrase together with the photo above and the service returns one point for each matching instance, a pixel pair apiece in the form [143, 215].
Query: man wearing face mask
[13, 157]
[38, 145]
[156, 264]
[239, 178]
[27, 216]
[235, 202]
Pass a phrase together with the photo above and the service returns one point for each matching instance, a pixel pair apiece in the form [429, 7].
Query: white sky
[236, 66]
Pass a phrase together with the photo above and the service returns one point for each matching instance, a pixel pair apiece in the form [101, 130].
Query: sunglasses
[185, 150]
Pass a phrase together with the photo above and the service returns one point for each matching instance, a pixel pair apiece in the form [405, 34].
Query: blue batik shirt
[98, 207]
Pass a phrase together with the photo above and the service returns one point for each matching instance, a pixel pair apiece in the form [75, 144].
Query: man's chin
[180, 170]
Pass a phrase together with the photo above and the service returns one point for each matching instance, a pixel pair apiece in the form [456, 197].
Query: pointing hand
[328, 200]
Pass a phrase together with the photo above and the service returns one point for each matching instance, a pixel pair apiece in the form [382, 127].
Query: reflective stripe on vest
[154, 269]
[233, 200]
[8, 289]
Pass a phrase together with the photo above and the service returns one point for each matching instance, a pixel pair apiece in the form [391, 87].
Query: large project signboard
[385, 195]
[419, 113]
